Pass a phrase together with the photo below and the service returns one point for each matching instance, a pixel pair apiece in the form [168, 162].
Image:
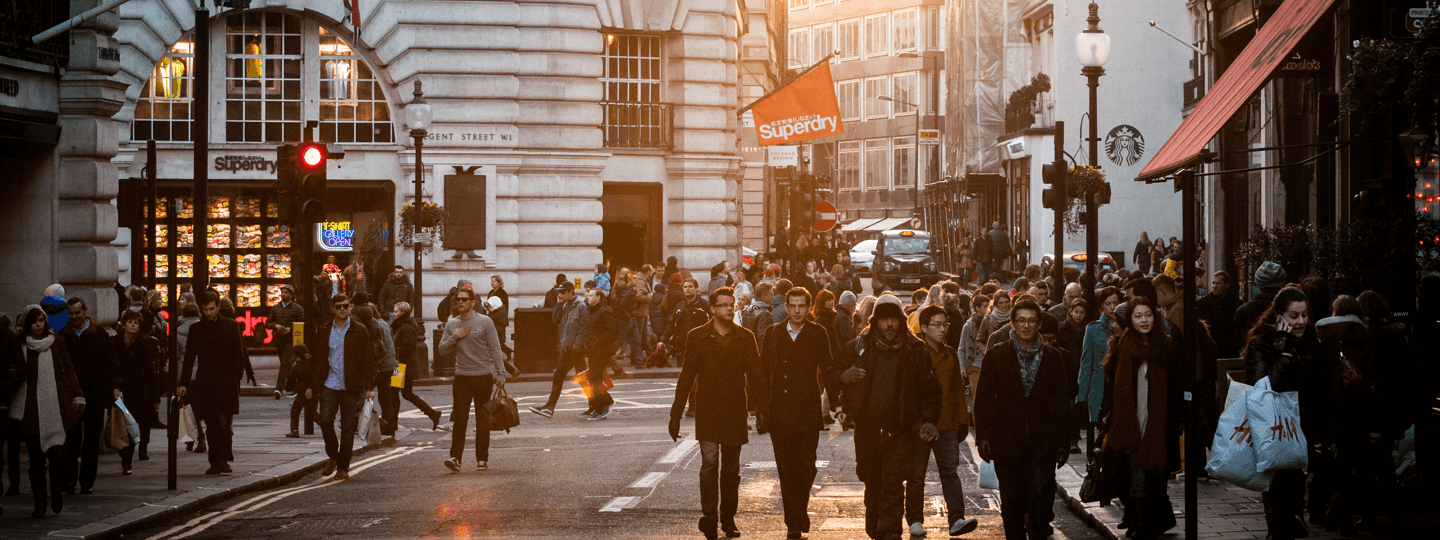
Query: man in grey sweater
[479, 367]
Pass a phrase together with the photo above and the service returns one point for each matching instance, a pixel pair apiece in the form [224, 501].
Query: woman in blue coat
[1097, 344]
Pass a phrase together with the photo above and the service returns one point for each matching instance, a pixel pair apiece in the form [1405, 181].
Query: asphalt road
[566, 478]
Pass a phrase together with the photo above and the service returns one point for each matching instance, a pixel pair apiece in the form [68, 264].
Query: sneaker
[278, 395]
[329, 468]
[917, 529]
[603, 414]
[342, 474]
[453, 464]
[588, 413]
[447, 426]
[547, 412]
[963, 526]
[482, 466]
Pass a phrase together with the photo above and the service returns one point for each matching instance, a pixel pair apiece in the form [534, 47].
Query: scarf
[882, 344]
[46, 396]
[1128, 433]
[1029, 359]
[999, 318]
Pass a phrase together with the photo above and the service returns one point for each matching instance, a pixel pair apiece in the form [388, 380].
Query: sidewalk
[265, 459]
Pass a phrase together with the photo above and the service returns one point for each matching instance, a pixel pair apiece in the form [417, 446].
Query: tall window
[799, 48]
[904, 86]
[934, 29]
[632, 68]
[849, 96]
[848, 165]
[877, 35]
[874, 106]
[163, 110]
[904, 162]
[905, 23]
[877, 164]
[352, 106]
[799, 4]
[849, 39]
[263, 74]
[824, 38]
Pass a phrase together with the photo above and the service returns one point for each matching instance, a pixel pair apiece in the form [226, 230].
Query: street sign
[826, 216]
[930, 137]
[784, 156]
[1415, 19]
[420, 239]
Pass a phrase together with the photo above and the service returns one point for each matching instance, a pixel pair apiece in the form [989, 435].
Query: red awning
[1264, 53]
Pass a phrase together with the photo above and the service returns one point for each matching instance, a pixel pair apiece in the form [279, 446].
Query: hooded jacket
[395, 290]
[918, 394]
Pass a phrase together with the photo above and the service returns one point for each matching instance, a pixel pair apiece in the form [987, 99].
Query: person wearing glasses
[479, 368]
[953, 425]
[344, 369]
[215, 346]
[1022, 422]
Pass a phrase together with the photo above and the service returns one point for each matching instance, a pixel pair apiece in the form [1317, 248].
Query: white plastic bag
[988, 480]
[369, 422]
[132, 427]
[1275, 424]
[189, 430]
[1232, 456]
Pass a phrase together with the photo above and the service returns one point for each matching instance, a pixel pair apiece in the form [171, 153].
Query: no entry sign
[825, 216]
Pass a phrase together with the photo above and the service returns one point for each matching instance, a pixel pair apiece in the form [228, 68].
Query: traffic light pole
[1056, 262]
[200, 205]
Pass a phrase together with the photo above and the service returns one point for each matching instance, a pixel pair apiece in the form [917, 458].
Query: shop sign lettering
[336, 236]
[236, 164]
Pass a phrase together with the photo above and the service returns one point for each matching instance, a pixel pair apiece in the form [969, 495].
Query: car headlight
[930, 266]
[892, 267]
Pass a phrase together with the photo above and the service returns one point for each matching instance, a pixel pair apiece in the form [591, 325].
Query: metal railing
[22, 19]
[638, 125]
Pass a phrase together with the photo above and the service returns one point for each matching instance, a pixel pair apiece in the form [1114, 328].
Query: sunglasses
[344, 306]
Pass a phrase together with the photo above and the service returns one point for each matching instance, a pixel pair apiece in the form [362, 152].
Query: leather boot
[40, 503]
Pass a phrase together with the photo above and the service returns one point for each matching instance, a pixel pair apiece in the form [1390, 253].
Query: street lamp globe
[417, 113]
[1092, 45]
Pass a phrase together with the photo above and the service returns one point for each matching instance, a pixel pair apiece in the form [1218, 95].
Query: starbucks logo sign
[1124, 145]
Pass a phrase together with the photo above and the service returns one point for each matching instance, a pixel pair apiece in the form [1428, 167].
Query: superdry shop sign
[235, 164]
[802, 110]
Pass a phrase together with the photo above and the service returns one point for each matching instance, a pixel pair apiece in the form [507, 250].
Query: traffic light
[1054, 174]
[802, 202]
[310, 164]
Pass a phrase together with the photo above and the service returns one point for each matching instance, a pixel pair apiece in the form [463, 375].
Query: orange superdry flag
[802, 110]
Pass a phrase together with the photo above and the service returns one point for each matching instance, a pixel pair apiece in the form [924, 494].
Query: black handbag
[1099, 484]
[504, 413]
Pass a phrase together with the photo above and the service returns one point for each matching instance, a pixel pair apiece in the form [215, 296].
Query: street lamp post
[418, 116]
[1092, 46]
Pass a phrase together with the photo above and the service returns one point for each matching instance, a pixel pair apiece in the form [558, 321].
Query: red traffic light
[311, 157]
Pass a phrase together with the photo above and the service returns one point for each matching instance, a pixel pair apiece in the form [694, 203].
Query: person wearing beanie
[1022, 422]
[797, 362]
[57, 312]
[845, 318]
[281, 323]
[1269, 278]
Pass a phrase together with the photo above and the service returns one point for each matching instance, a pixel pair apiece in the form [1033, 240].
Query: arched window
[280, 70]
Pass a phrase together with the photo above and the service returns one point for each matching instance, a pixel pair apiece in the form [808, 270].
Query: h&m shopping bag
[1232, 456]
[1275, 423]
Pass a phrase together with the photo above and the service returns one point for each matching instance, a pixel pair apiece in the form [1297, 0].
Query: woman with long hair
[862, 314]
[136, 353]
[1135, 411]
[999, 316]
[47, 403]
[1283, 347]
[823, 313]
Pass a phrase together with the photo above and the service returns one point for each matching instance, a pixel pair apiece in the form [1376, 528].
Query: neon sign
[335, 236]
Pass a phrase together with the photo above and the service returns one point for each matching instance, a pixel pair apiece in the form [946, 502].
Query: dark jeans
[307, 406]
[639, 340]
[795, 464]
[58, 465]
[569, 359]
[1286, 497]
[885, 463]
[1152, 512]
[467, 389]
[287, 359]
[220, 437]
[947, 461]
[409, 394]
[82, 444]
[597, 382]
[719, 484]
[389, 400]
[347, 403]
[1027, 492]
[13, 434]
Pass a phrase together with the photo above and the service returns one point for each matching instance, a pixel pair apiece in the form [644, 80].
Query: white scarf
[47, 398]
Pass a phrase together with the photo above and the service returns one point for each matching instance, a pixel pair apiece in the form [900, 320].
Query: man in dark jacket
[797, 361]
[721, 362]
[282, 323]
[554, 292]
[214, 345]
[892, 396]
[568, 318]
[396, 289]
[1217, 310]
[342, 375]
[1269, 278]
[693, 312]
[98, 370]
[1022, 422]
[600, 331]
[999, 247]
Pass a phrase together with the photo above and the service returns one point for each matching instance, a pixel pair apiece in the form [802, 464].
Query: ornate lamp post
[1093, 48]
[417, 116]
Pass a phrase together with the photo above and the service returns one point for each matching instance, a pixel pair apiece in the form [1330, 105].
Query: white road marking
[649, 480]
[680, 451]
[771, 465]
[618, 503]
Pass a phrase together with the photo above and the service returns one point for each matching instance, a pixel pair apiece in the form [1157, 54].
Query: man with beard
[797, 361]
[720, 363]
[396, 289]
[1022, 423]
[892, 396]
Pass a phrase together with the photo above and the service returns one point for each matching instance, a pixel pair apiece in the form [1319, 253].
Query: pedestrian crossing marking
[619, 503]
[679, 452]
[649, 480]
[771, 464]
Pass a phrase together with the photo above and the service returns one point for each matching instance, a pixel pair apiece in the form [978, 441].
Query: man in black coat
[1217, 310]
[397, 288]
[342, 374]
[685, 316]
[1022, 423]
[598, 336]
[98, 370]
[894, 399]
[214, 344]
[721, 362]
[797, 361]
[282, 323]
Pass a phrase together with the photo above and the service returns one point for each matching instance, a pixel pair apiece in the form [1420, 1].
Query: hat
[847, 298]
[1270, 276]
[55, 289]
[773, 269]
[887, 305]
[56, 312]
[590, 284]
[287, 288]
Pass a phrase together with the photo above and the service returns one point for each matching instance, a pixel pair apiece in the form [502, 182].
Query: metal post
[1193, 450]
[1092, 215]
[149, 236]
[1057, 265]
[200, 194]
[173, 412]
[419, 295]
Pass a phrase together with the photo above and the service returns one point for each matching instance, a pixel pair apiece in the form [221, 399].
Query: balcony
[25, 18]
[1194, 90]
[639, 125]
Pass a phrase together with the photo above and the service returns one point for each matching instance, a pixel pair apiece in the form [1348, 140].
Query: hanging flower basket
[1083, 180]
[429, 218]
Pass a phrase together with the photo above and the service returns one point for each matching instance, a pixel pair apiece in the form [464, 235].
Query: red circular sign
[826, 216]
[312, 156]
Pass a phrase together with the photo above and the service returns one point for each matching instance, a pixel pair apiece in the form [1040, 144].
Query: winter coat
[569, 321]
[394, 291]
[622, 302]
[602, 281]
[1119, 406]
[1296, 364]
[600, 333]
[1218, 312]
[284, 316]
[216, 357]
[67, 385]
[918, 396]
[683, 318]
[719, 370]
[360, 361]
[756, 318]
[795, 371]
[1249, 314]
[1092, 366]
[953, 412]
[1012, 422]
[844, 326]
[640, 304]
[501, 317]
[403, 333]
[96, 368]
[826, 319]
[137, 378]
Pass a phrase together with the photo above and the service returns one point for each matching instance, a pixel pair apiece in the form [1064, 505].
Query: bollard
[422, 355]
[444, 364]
